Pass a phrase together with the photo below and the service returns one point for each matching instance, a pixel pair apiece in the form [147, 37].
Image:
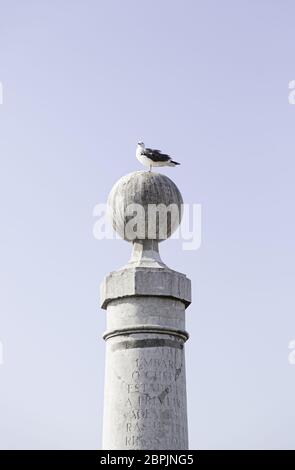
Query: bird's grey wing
[156, 155]
[153, 151]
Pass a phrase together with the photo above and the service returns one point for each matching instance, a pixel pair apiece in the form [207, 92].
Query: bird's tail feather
[174, 163]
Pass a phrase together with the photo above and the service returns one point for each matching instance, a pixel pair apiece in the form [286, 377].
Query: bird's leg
[150, 168]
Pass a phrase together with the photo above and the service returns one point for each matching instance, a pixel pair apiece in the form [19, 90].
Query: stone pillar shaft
[145, 389]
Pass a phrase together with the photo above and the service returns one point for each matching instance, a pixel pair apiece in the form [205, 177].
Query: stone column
[145, 390]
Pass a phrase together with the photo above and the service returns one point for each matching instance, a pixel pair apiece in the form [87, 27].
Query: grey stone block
[162, 282]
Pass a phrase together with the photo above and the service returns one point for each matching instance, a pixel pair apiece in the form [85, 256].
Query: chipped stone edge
[155, 282]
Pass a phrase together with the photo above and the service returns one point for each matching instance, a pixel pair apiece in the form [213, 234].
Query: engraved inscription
[153, 393]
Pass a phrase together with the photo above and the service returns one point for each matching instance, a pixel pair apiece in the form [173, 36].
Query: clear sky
[83, 81]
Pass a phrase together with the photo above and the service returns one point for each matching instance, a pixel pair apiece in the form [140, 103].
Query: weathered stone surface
[143, 188]
[145, 302]
[145, 394]
[163, 282]
[146, 313]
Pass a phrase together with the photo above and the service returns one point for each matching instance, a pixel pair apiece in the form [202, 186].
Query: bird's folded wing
[156, 155]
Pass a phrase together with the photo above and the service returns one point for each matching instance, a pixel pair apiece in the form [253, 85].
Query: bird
[153, 157]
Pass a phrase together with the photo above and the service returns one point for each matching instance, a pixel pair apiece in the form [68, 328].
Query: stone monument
[145, 301]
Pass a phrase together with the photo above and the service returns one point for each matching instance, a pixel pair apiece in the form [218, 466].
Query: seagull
[153, 157]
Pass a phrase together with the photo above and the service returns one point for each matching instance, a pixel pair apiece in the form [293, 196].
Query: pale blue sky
[208, 82]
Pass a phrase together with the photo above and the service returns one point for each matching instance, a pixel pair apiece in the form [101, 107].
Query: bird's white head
[140, 144]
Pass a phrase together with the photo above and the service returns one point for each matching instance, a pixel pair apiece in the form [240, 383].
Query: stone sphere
[145, 205]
